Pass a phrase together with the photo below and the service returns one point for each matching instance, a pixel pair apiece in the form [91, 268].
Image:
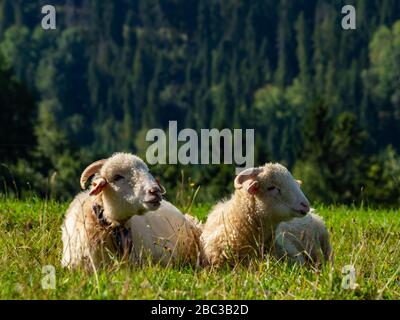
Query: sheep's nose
[305, 206]
[154, 190]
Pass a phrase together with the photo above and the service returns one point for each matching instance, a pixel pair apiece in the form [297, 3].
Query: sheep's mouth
[302, 213]
[153, 203]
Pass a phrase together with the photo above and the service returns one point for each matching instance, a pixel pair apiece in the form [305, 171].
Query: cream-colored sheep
[122, 187]
[303, 240]
[123, 215]
[243, 226]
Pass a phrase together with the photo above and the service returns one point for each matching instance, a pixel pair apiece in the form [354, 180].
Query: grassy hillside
[30, 238]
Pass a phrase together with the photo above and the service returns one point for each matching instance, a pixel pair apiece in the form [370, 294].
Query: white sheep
[303, 240]
[122, 187]
[124, 215]
[243, 226]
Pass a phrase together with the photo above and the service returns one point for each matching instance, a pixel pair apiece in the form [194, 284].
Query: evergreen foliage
[322, 100]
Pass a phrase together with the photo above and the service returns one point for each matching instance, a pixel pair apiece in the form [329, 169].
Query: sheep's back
[164, 235]
[305, 236]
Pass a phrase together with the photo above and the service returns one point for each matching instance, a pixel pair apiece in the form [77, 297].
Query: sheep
[243, 226]
[124, 215]
[165, 236]
[121, 188]
[303, 240]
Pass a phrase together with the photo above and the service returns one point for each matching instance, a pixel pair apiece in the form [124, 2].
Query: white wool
[165, 236]
[303, 240]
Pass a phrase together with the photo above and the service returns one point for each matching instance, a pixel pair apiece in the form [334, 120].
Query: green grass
[30, 238]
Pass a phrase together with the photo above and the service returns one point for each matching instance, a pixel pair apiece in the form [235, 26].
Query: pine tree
[302, 51]
[281, 75]
[6, 16]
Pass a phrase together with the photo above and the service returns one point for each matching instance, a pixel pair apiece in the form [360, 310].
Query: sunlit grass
[30, 238]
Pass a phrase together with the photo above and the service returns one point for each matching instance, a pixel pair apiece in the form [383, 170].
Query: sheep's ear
[252, 187]
[90, 171]
[163, 191]
[97, 186]
[299, 182]
[246, 175]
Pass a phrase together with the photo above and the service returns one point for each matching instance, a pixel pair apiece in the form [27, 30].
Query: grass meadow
[367, 239]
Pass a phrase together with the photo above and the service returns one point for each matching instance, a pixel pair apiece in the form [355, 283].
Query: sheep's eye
[272, 188]
[117, 178]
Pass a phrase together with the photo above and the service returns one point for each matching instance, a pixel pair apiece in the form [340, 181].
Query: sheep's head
[276, 189]
[126, 185]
